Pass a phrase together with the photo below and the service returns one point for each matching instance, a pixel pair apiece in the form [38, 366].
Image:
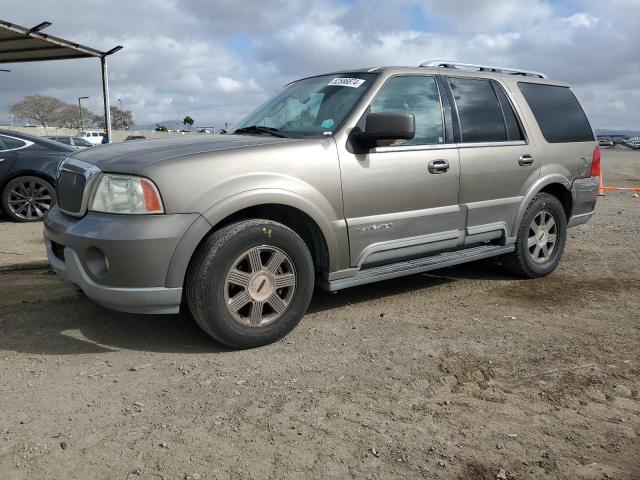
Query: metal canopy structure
[20, 44]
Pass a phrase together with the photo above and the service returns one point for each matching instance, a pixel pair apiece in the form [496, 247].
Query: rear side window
[9, 143]
[558, 113]
[480, 114]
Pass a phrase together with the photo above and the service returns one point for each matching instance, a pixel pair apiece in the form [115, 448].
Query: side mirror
[386, 126]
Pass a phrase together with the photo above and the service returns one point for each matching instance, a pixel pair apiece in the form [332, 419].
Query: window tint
[514, 131]
[9, 143]
[418, 95]
[480, 114]
[558, 113]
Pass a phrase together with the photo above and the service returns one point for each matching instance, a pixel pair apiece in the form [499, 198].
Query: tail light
[595, 162]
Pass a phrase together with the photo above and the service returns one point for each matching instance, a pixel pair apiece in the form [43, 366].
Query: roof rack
[481, 68]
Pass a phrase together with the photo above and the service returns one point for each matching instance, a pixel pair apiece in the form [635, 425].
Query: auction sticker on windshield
[346, 82]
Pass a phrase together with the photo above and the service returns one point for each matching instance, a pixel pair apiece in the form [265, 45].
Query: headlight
[125, 194]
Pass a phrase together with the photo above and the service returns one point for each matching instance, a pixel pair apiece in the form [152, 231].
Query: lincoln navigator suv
[338, 180]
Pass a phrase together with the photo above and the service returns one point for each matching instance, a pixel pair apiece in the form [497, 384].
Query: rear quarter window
[558, 113]
[9, 143]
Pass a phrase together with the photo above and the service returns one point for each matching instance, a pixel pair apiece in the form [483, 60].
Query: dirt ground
[464, 373]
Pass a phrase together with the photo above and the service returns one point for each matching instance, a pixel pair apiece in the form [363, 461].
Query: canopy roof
[21, 44]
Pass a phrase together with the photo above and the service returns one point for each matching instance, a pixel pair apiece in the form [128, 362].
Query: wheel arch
[27, 173]
[556, 185]
[321, 236]
[292, 217]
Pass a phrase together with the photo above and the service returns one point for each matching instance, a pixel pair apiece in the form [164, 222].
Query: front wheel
[250, 283]
[541, 238]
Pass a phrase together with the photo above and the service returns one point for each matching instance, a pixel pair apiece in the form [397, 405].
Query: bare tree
[41, 109]
[69, 117]
[119, 118]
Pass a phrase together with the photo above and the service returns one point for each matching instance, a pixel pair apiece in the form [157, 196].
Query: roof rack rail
[481, 68]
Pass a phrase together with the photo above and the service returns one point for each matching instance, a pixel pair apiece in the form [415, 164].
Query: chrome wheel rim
[259, 286]
[30, 199]
[542, 237]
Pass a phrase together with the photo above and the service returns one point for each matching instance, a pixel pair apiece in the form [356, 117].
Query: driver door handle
[438, 166]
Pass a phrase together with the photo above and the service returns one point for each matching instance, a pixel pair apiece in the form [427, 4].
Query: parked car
[632, 143]
[338, 180]
[27, 174]
[135, 137]
[72, 141]
[605, 142]
[93, 137]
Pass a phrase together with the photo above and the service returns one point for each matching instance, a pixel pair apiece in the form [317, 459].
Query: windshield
[308, 108]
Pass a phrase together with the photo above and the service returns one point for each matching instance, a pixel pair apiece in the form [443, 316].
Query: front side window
[417, 95]
[309, 108]
[10, 143]
[479, 111]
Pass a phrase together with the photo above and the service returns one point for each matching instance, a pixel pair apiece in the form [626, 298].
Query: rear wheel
[541, 238]
[250, 283]
[27, 199]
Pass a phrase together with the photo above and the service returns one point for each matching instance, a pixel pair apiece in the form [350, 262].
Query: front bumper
[584, 194]
[119, 261]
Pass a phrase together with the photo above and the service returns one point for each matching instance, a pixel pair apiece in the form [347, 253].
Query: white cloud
[215, 60]
[227, 84]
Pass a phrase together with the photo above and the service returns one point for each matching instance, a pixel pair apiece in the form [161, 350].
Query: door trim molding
[404, 243]
[391, 217]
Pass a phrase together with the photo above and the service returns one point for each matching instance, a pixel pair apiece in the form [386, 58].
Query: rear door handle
[525, 160]
[438, 166]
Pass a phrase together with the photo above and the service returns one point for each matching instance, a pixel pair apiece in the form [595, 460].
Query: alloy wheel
[30, 199]
[542, 236]
[259, 286]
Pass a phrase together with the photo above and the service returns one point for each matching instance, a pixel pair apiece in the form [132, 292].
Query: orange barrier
[628, 189]
[600, 187]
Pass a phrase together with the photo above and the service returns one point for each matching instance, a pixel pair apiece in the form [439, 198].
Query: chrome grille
[75, 179]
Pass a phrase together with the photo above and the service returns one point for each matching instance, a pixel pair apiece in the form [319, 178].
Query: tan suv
[338, 180]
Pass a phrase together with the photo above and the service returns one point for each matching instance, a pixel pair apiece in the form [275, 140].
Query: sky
[217, 60]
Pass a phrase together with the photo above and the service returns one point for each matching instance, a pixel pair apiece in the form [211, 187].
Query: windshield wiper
[258, 129]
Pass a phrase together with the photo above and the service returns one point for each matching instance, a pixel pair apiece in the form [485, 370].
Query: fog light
[96, 262]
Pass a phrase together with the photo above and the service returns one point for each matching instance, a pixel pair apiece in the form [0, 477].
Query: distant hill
[613, 131]
[170, 124]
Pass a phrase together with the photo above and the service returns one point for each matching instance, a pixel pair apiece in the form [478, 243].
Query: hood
[133, 156]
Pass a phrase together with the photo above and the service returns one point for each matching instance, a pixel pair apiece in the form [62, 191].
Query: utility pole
[80, 110]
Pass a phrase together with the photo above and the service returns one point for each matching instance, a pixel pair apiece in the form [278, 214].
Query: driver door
[401, 200]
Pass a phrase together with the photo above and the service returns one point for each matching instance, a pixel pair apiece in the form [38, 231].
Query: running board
[420, 265]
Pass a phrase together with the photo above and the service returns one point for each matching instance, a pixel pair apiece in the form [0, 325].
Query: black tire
[521, 260]
[15, 190]
[206, 281]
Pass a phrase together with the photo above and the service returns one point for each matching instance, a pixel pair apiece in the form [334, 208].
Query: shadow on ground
[72, 324]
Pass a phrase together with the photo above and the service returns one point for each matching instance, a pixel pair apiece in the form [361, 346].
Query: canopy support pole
[105, 94]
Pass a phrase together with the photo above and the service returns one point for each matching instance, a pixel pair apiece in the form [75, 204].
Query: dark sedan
[28, 167]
